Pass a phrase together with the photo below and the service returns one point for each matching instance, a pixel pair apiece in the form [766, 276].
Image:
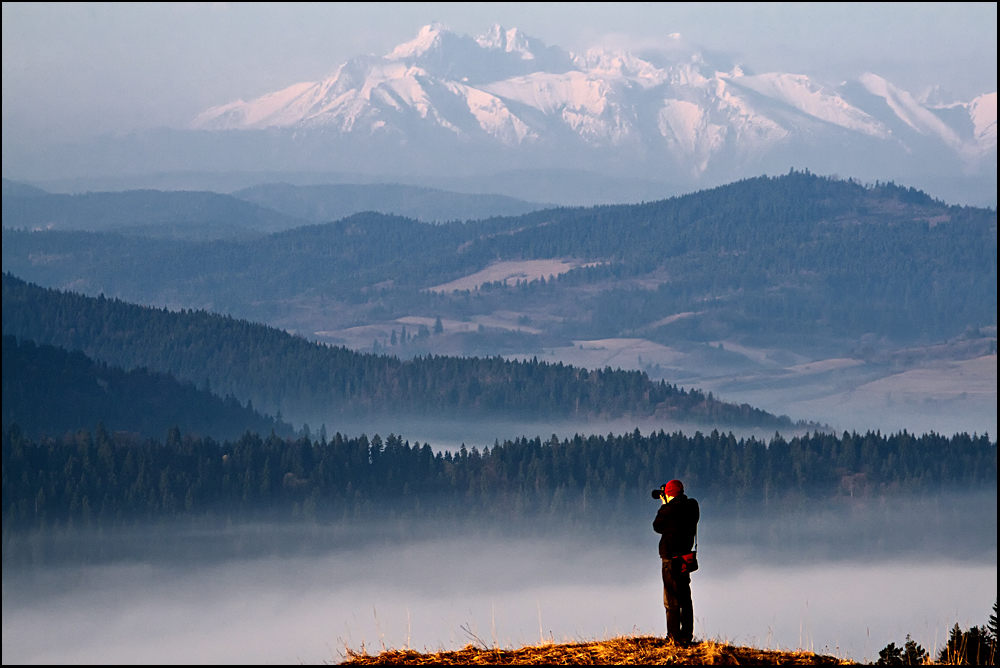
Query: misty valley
[287, 421]
[838, 580]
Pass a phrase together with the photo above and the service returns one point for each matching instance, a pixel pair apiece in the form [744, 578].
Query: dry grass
[618, 651]
[510, 271]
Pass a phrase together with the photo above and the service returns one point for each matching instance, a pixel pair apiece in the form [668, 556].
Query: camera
[657, 493]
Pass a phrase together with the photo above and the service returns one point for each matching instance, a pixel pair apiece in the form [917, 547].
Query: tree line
[116, 479]
[976, 646]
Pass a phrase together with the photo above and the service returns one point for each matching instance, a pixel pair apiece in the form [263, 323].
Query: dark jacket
[677, 522]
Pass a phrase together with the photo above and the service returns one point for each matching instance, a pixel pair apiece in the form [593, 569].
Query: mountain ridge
[251, 211]
[182, 214]
[506, 90]
[322, 203]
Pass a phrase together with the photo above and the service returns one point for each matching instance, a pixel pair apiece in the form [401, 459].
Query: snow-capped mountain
[511, 92]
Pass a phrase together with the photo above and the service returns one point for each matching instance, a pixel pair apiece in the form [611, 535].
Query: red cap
[673, 488]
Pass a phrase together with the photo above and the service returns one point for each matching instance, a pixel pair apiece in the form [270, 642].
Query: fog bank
[450, 434]
[446, 585]
[447, 594]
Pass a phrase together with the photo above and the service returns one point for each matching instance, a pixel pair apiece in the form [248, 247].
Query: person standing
[677, 523]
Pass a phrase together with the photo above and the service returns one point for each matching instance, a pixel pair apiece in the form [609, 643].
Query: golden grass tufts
[616, 651]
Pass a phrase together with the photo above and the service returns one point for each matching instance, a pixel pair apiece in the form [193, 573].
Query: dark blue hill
[48, 390]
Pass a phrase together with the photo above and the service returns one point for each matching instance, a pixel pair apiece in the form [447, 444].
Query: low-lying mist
[450, 434]
[845, 580]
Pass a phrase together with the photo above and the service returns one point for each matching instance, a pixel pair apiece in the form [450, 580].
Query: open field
[510, 271]
[946, 396]
[616, 651]
[922, 394]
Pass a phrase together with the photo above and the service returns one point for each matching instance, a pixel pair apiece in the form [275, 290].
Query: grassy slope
[618, 651]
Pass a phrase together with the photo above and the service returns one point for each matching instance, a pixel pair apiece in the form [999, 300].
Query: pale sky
[78, 70]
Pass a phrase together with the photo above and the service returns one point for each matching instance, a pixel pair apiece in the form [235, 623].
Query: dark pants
[677, 601]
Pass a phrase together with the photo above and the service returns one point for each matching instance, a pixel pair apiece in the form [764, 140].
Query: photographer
[677, 523]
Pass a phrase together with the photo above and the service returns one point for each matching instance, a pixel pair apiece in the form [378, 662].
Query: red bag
[688, 562]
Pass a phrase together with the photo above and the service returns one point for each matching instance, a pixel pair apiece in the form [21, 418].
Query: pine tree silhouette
[910, 654]
[973, 647]
[992, 626]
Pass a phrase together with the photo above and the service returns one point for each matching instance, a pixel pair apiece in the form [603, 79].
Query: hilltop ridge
[622, 650]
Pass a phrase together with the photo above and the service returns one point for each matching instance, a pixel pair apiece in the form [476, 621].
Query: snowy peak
[428, 39]
[507, 89]
[619, 64]
[497, 54]
[803, 94]
[922, 119]
[509, 41]
[907, 108]
[983, 112]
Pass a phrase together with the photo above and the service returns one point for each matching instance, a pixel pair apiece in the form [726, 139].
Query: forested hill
[324, 203]
[281, 372]
[18, 189]
[183, 214]
[47, 390]
[785, 259]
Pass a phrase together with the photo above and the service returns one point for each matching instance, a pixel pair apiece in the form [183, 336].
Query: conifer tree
[973, 647]
[993, 622]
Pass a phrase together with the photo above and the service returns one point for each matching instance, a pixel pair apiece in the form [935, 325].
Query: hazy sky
[75, 70]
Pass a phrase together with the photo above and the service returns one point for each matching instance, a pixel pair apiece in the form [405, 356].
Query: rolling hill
[50, 391]
[148, 213]
[288, 374]
[325, 203]
[800, 262]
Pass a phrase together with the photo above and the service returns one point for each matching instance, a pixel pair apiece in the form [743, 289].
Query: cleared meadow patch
[510, 271]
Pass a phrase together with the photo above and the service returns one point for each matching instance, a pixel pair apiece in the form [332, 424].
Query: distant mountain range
[685, 115]
[192, 215]
[248, 212]
[324, 203]
[505, 113]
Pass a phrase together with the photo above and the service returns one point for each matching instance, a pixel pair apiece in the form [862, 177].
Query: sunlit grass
[622, 650]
